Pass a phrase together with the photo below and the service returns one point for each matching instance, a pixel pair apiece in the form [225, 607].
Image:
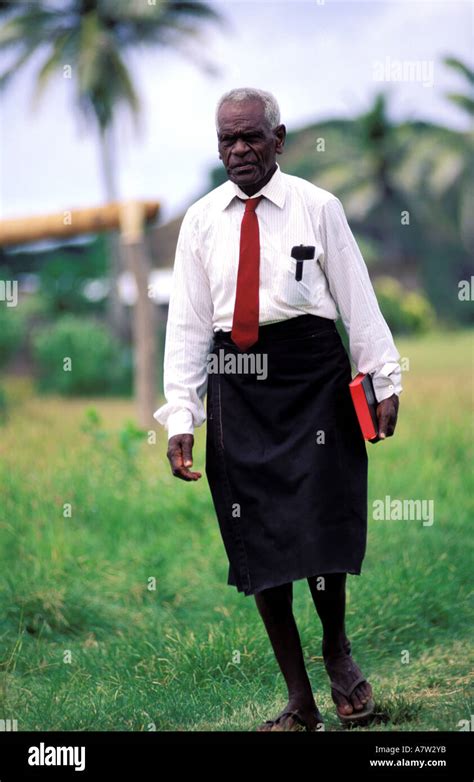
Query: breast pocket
[291, 291]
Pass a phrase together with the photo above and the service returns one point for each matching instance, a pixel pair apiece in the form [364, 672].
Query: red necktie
[246, 311]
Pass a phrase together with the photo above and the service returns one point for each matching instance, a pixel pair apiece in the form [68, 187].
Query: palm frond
[109, 86]
[51, 66]
[14, 67]
[91, 39]
[463, 101]
[8, 7]
[460, 67]
[91, 35]
[31, 26]
[161, 12]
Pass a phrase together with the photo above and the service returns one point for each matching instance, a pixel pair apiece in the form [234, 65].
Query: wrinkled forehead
[241, 116]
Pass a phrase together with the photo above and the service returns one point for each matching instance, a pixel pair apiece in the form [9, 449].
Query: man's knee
[278, 595]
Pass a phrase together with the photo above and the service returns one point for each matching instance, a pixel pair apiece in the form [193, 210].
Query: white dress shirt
[335, 283]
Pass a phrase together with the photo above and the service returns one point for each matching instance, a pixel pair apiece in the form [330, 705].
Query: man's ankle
[335, 647]
[301, 698]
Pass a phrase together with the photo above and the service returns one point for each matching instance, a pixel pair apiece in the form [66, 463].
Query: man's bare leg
[276, 609]
[330, 604]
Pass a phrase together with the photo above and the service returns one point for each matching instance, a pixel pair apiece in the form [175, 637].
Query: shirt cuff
[180, 422]
[385, 392]
[387, 382]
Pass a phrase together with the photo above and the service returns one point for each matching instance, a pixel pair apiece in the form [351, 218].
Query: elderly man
[285, 458]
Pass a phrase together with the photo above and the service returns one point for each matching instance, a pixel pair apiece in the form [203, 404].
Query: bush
[3, 406]
[12, 329]
[406, 312]
[63, 272]
[79, 356]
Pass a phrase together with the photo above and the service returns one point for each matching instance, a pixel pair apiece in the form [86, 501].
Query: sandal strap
[347, 691]
[295, 715]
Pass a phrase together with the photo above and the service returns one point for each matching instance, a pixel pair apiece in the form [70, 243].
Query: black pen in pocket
[301, 253]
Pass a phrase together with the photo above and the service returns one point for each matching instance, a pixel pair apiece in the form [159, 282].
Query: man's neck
[254, 188]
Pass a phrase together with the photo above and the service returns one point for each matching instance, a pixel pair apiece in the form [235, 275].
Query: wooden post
[132, 218]
[69, 222]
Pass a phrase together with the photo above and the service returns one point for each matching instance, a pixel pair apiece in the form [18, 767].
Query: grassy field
[86, 525]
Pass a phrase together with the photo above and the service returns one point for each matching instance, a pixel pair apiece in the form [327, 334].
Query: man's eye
[230, 141]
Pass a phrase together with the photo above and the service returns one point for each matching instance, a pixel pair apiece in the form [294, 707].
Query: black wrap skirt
[285, 458]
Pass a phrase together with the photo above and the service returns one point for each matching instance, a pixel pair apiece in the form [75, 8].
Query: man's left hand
[387, 413]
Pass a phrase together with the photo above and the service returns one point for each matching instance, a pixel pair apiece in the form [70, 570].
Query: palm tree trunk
[116, 313]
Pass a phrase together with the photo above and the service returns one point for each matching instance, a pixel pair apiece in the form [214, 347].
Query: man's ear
[280, 133]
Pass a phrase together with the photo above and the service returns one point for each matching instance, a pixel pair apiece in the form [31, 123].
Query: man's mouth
[242, 166]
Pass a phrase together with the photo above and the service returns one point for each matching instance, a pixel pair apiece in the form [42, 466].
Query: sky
[321, 60]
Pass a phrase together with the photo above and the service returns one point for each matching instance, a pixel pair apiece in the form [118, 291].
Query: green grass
[86, 645]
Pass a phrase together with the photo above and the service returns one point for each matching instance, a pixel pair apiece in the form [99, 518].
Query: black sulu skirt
[285, 458]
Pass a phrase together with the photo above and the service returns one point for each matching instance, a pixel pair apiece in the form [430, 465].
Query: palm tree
[465, 102]
[361, 161]
[92, 39]
[466, 197]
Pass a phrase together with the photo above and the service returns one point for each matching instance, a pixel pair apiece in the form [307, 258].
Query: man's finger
[180, 470]
[185, 474]
[187, 452]
[180, 456]
[387, 416]
[384, 416]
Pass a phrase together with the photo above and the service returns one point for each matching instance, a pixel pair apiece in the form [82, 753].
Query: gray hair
[270, 106]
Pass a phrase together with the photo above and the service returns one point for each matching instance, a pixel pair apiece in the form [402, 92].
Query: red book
[365, 404]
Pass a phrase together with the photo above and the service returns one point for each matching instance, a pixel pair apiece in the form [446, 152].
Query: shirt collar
[274, 190]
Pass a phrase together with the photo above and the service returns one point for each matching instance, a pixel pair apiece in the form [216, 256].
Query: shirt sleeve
[189, 336]
[370, 340]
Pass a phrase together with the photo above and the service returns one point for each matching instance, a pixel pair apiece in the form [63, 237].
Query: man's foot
[295, 717]
[350, 691]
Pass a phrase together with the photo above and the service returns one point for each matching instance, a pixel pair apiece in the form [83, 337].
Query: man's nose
[240, 147]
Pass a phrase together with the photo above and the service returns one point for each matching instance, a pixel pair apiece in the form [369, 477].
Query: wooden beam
[70, 222]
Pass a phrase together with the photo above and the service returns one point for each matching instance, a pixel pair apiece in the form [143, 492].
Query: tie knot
[252, 203]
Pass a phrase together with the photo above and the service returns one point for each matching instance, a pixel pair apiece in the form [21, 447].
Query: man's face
[246, 144]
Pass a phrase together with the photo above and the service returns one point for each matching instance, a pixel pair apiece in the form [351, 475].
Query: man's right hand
[180, 455]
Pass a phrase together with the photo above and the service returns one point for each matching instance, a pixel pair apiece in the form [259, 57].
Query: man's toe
[343, 705]
[367, 691]
[362, 693]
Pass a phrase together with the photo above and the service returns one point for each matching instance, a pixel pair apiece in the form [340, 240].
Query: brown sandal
[300, 724]
[353, 677]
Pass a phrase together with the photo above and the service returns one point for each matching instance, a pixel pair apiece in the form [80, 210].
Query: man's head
[249, 135]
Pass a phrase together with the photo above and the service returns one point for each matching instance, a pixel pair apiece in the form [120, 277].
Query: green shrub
[406, 312]
[79, 356]
[63, 273]
[3, 406]
[12, 329]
